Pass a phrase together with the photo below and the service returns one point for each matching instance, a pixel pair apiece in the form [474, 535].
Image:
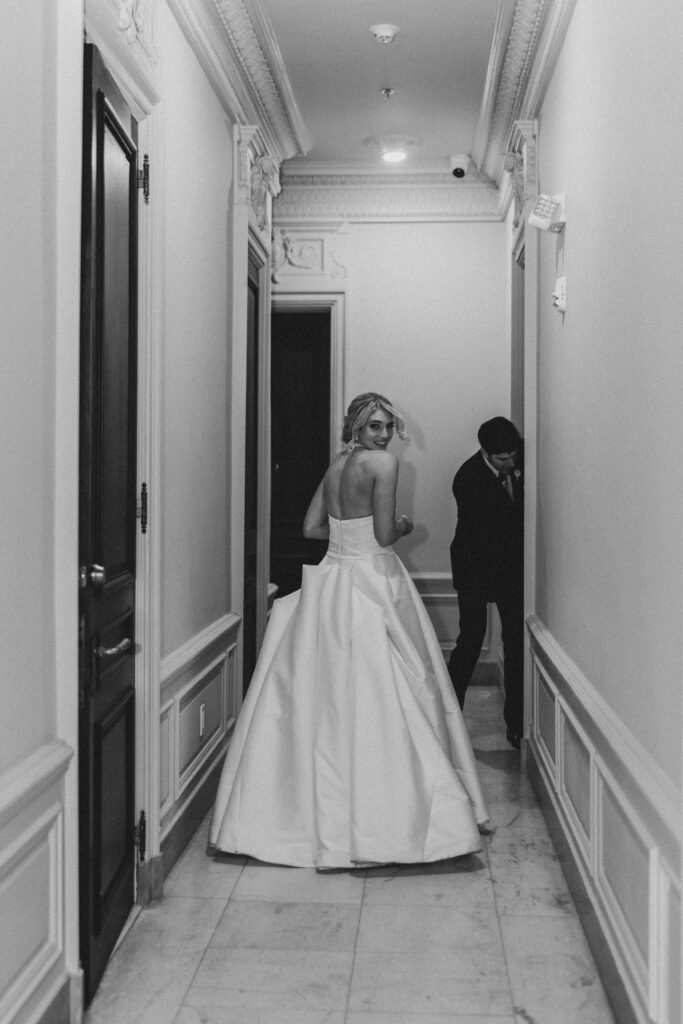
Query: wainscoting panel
[441, 602]
[199, 704]
[575, 780]
[32, 963]
[620, 821]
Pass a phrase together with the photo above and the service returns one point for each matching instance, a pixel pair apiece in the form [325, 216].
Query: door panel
[249, 614]
[107, 530]
[300, 436]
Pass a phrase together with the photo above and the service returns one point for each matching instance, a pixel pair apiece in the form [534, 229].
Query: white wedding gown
[350, 747]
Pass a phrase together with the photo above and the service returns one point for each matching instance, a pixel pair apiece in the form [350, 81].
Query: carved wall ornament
[520, 162]
[131, 19]
[265, 184]
[299, 252]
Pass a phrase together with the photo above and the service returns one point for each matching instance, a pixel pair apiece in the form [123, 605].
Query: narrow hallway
[489, 939]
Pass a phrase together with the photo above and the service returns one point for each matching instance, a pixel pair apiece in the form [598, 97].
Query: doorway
[302, 362]
[107, 519]
[251, 481]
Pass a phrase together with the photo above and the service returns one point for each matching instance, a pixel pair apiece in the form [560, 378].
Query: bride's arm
[316, 526]
[387, 527]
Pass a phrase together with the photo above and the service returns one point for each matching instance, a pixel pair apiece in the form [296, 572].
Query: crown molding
[535, 38]
[121, 30]
[369, 198]
[499, 47]
[225, 41]
[275, 62]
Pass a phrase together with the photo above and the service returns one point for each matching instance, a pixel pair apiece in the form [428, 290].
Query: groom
[488, 563]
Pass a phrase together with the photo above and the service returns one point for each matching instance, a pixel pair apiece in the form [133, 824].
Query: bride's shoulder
[381, 461]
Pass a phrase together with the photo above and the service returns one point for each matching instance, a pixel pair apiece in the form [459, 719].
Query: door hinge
[141, 836]
[143, 177]
[141, 509]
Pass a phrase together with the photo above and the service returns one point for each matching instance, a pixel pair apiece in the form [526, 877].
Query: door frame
[334, 302]
[135, 78]
[258, 256]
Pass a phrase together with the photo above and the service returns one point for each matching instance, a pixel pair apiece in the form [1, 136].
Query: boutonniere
[517, 474]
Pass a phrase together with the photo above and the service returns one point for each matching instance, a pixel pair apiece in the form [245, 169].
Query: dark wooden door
[249, 616]
[300, 436]
[107, 527]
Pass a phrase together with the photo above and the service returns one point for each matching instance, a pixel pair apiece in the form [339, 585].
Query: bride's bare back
[348, 484]
[359, 483]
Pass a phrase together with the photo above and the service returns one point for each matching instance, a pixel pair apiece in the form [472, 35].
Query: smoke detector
[384, 33]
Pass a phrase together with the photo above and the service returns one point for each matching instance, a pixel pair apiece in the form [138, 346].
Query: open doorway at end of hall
[301, 388]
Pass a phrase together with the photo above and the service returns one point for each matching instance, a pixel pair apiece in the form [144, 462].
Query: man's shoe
[514, 739]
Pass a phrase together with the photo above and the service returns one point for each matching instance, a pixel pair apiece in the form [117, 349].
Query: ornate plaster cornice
[368, 198]
[121, 30]
[226, 43]
[535, 38]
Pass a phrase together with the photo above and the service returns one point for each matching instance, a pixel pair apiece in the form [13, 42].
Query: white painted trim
[646, 800]
[301, 301]
[276, 65]
[190, 661]
[39, 978]
[148, 579]
[129, 56]
[65, 189]
[24, 783]
[657, 789]
[184, 776]
[501, 37]
[260, 255]
[557, 17]
[225, 41]
[183, 656]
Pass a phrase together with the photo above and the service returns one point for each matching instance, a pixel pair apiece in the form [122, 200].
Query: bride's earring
[353, 443]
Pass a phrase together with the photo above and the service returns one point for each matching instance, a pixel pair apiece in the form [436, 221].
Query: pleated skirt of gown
[350, 747]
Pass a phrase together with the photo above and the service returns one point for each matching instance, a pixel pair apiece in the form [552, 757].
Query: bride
[350, 748]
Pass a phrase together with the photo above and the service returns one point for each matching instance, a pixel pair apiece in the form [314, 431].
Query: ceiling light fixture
[384, 33]
[395, 148]
[387, 92]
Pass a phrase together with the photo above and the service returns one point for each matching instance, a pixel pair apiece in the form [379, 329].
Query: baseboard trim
[194, 812]
[618, 817]
[609, 974]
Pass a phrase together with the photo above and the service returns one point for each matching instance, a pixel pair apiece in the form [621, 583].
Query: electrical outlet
[560, 295]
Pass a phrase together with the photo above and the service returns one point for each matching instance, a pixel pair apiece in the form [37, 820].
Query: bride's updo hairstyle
[361, 409]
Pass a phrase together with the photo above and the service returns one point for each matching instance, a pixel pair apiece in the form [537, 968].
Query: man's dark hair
[499, 435]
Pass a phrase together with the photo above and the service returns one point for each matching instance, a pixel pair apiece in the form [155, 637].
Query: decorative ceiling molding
[501, 36]
[121, 31]
[375, 198]
[527, 41]
[536, 35]
[227, 46]
[271, 50]
[519, 55]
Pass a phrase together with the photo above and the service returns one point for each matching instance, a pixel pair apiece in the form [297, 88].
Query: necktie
[507, 483]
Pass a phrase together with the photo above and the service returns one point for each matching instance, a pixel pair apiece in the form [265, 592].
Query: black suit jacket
[487, 550]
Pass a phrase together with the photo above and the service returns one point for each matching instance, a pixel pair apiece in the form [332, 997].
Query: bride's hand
[405, 524]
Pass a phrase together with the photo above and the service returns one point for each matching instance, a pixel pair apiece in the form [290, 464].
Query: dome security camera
[459, 165]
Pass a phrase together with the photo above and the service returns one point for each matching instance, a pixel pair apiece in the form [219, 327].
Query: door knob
[111, 652]
[98, 575]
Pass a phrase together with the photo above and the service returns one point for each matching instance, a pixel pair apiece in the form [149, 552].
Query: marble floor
[492, 938]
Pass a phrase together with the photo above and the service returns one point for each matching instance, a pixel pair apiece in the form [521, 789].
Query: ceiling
[438, 66]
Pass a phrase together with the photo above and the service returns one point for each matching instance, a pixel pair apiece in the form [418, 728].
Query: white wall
[428, 326]
[610, 552]
[27, 408]
[196, 453]
[40, 175]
